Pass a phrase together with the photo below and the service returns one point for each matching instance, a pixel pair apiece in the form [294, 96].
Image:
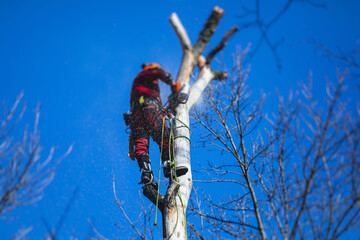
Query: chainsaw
[178, 96]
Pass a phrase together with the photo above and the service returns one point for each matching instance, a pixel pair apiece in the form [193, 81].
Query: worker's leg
[155, 120]
[161, 134]
[141, 139]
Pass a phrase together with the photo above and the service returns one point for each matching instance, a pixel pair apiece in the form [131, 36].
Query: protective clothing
[147, 121]
[146, 66]
[146, 82]
[147, 117]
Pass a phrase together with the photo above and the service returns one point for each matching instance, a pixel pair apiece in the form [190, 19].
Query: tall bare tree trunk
[174, 204]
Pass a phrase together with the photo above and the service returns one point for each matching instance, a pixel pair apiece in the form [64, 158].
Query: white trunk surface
[199, 86]
[174, 218]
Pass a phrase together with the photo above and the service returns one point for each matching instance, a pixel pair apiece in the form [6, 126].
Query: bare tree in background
[316, 167]
[254, 18]
[297, 178]
[53, 233]
[143, 226]
[24, 174]
[230, 118]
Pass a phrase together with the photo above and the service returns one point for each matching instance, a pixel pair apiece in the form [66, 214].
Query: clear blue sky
[78, 59]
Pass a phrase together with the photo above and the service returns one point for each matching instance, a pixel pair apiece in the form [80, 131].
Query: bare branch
[23, 175]
[124, 213]
[221, 45]
[180, 32]
[253, 18]
[186, 67]
[98, 235]
[207, 32]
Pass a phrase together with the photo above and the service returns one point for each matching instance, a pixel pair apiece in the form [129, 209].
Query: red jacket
[146, 83]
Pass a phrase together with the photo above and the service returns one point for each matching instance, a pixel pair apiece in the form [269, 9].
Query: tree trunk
[173, 206]
[175, 215]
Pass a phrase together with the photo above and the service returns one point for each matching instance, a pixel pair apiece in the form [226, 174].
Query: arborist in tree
[147, 119]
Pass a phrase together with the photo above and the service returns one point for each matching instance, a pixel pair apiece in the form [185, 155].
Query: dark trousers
[147, 121]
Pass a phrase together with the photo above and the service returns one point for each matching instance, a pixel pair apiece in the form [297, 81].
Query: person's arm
[175, 86]
[158, 73]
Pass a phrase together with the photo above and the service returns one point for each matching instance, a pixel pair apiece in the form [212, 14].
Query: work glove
[175, 87]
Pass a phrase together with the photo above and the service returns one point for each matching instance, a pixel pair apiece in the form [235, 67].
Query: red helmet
[146, 66]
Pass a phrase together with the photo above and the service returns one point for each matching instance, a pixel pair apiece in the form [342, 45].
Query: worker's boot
[147, 176]
[169, 170]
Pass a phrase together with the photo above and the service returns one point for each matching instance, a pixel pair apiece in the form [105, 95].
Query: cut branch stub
[151, 192]
[220, 75]
[171, 193]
